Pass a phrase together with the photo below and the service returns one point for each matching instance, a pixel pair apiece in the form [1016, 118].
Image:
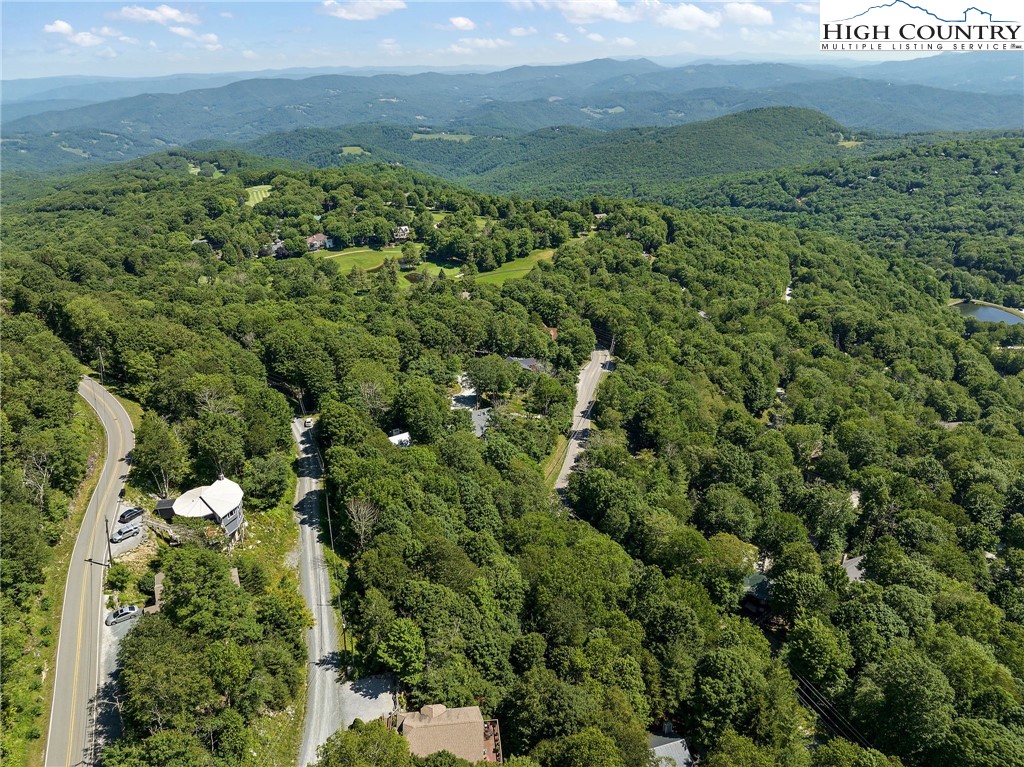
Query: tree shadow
[104, 718]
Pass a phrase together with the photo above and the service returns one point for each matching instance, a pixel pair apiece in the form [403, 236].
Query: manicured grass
[431, 269]
[364, 258]
[463, 137]
[42, 645]
[257, 194]
[519, 267]
[353, 150]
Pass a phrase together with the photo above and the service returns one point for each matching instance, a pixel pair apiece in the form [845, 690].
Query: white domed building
[220, 502]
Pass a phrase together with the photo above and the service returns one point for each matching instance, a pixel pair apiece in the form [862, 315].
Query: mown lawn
[364, 258]
[257, 194]
[519, 267]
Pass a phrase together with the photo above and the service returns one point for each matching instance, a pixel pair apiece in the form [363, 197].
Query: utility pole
[110, 551]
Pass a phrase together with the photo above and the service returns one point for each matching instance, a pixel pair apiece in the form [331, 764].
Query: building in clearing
[459, 731]
[221, 502]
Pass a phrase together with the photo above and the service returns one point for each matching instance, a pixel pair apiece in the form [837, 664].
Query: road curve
[323, 696]
[71, 733]
[597, 367]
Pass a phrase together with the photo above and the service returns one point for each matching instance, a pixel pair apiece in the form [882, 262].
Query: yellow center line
[81, 602]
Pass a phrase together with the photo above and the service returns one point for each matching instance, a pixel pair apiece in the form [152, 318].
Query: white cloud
[461, 23]
[521, 5]
[129, 40]
[484, 43]
[361, 10]
[60, 27]
[812, 8]
[82, 39]
[226, 15]
[250, 55]
[596, 37]
[390, 45]
[747, 13]
[208, 40]
[687, 17]
[107, 53]
[522, 31]
[162, 14]
[625, 42]
[589, 11]
[106, 31]
[562, 38]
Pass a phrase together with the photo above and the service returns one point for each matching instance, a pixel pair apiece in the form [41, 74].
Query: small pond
[988, 313]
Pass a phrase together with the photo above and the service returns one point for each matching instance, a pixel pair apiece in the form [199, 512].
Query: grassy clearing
[850, 144]
[554, 461]
[257, 194]
[44, 624]
[408, 279]
[463, 137]
[353, 150]
[364, 258]
[519, 267]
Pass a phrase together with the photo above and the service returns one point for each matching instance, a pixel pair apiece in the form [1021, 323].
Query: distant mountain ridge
[605, 94]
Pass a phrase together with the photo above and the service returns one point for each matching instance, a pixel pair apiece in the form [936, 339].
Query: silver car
[121, 614]
[122, 533]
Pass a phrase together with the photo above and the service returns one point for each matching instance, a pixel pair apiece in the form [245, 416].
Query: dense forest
[740, 433]
[45, 447]
[955, 206]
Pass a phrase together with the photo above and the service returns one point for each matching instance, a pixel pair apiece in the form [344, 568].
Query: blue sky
[136, 39]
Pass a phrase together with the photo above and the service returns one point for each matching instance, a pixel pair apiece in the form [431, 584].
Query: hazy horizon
[143, 41]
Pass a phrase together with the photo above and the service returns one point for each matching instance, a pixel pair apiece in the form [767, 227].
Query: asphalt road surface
[600, 365]
[72, 735]
[323, 698]
[331, 702]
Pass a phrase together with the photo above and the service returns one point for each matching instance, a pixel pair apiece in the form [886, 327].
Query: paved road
[600, 365]
[331, 702]
[71, 737]
[323, 701]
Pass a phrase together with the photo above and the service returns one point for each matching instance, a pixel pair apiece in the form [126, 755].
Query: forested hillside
[576, 162]
[739, 431]
[603, 94]
[957, 206]
[45, 446]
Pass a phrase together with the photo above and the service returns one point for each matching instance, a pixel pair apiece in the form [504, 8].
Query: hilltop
[604, 95]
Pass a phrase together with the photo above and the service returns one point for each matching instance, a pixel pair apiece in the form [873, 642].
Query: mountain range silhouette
[925, 10]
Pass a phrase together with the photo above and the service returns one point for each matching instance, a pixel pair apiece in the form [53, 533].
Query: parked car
[122, 614]
[122, 533]
[129, 514]
[308, 422]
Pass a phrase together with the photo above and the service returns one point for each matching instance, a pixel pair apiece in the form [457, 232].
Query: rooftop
[460, 731]
[219, 499]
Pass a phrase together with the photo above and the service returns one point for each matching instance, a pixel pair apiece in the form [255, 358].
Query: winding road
[71, 735]
[599, 365]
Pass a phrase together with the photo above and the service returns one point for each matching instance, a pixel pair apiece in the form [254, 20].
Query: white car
[308, 422]
[123, 614]
[122, 533]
